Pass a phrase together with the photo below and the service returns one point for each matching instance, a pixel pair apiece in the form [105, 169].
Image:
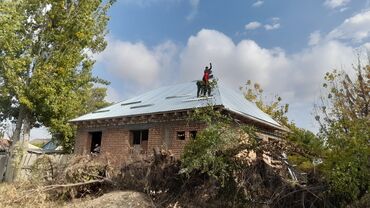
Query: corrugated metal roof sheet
[181, 97]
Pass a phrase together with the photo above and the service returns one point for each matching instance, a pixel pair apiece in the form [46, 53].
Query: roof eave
[278, 127]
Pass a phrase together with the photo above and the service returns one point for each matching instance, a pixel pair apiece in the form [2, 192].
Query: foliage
[310, 143]
[212, 150]
[304, 139]
[344, 119]
[277, 110]
[46, 60]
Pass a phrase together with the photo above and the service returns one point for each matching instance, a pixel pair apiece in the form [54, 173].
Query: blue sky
[285, 45]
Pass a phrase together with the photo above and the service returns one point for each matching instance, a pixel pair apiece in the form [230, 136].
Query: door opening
[95, 141]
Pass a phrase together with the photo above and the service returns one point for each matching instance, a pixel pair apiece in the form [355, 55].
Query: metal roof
[181, 97]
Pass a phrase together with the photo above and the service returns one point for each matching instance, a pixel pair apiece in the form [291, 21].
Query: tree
[213, 149]
[344, 121]
[63, 132]
[2, 130]
[302, 138]
[254, 93]
[46, 60]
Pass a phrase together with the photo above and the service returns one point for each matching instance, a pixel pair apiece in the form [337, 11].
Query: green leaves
[277, 110]
[213, 149]
[345, 129]
[46, 62]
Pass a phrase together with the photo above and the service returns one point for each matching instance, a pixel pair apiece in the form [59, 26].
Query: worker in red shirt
[207, 74]
[204, 86]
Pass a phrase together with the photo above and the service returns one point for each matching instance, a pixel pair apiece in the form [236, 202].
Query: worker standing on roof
[207, 74]
[206, 77]
[204, 86]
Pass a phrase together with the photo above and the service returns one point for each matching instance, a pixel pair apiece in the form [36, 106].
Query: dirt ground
[116, 199]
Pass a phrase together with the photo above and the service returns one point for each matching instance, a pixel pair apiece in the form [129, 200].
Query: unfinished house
[159, 118]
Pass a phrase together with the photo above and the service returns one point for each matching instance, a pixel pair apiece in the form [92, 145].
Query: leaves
[345, 128]
[213, 149]
[255, 94]
[46, 60]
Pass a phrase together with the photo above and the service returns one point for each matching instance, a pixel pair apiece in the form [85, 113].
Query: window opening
[181, 135]
[95, 141]
[136, 137]
[144, 135]
[193, 134]
[139, 135]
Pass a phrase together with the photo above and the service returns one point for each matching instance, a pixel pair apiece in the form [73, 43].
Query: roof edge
[256, 119]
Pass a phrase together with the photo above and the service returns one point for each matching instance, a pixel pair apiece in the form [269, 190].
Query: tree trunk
[17, 148]
[18, 127]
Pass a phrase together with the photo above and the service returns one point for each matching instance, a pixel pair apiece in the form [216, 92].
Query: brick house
[159, 118]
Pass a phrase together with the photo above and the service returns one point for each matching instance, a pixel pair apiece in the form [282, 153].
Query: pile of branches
[152, 175]
[52, 182]
[260, 177]
[265, 178]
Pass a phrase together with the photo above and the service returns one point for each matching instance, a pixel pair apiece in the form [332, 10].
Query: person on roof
[207, 74]
[204, 87]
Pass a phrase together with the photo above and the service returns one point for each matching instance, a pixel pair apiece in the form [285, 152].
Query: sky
[285, 45]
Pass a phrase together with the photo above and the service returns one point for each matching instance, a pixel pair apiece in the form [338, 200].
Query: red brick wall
[117, 142]
[82, 142]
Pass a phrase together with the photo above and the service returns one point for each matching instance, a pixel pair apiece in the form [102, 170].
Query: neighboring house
[159, 118]
[52, 145]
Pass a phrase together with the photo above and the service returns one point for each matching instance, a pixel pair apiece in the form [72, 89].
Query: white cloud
[343, 9]
[113, 95]
[274, 25]
[296, 77]
[194, 9]
[255, 25]
[367, 46]
[355, 28]
[314, 38]
[336, 3]
[135, 62]
[252, 25]
[257, 3]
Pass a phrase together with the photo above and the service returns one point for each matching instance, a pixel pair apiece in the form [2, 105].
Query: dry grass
[25, 194]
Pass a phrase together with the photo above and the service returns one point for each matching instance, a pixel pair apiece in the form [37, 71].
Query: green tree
[302, 138]
[213, 149]
[254, 93]
[345, 128]
[46, 60]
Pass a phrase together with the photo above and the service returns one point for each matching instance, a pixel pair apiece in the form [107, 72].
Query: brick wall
[82, 142]
[117, 139]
